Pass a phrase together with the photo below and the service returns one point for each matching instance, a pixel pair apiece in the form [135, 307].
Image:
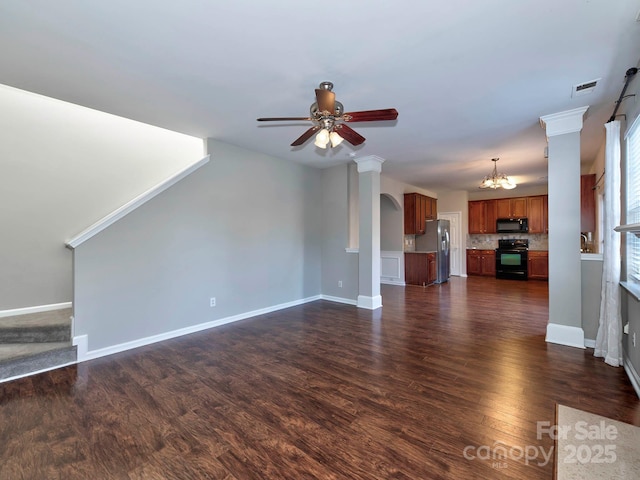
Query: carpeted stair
[33, 342]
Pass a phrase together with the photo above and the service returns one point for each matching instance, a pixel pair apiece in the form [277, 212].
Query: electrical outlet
[339, 283]
[212, 302]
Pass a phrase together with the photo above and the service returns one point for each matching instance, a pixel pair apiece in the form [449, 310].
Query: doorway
[391, 240]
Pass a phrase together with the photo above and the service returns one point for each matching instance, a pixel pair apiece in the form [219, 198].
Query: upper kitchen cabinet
[414, 215]
[587, 203]
[537, 214]
[482, 216]
[483, 213]
[417, 210]
[431, 208]
[511, 207]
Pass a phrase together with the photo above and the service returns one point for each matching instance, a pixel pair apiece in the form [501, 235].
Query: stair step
[51, 326]
[21, 359]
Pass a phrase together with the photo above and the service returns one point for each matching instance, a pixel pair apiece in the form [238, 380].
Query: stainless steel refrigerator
[436, 239]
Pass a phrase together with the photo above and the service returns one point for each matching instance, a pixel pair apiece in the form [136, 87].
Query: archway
[391, 240]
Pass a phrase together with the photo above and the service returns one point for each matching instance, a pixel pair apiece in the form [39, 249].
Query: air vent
[584, 88]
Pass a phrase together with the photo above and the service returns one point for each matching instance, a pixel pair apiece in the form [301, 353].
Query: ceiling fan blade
[371, 115]
[349, 134]
[326, 100]
[277, 119]
[305, 136]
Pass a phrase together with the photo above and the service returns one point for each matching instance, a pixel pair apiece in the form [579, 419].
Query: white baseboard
[588, 343]
[82, 341]
[347, 301]
[634, 378]
[393, 282]
[36, 309]
[370, 303]
[565, 335]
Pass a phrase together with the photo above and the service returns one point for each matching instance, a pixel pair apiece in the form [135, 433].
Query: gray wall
[391, 225]
[245, 228]
[591, 286]
[631, 314]
[521, 191]
[64, 167]
[564, 230]
[337, 264]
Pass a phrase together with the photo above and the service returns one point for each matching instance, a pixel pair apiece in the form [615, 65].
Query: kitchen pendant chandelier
[497, 180]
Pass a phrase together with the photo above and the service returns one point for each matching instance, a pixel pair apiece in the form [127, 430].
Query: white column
[565, 295]
[369, 169]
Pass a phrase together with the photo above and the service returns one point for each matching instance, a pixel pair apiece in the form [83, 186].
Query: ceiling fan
[329, 119]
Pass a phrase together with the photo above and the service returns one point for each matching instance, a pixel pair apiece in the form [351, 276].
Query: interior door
[455, 240]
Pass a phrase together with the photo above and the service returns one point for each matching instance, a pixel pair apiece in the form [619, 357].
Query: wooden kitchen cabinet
[545, 201]
[432, 273]
[419, 268]
[431, 208]
[481, 262]
[415, 268]
[482, 216]
[511, 207]
[587, 203]
[476, 217]
[483, 213]
[414, 218]
[488, 264]
[537, 214]
[538, 267]
[417, 210]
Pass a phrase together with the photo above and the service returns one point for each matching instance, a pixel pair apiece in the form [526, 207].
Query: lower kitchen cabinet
[538, 268]
[432, 273]
[481, 262]
[419, 268]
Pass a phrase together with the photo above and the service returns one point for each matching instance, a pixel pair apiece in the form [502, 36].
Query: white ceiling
[469, 79]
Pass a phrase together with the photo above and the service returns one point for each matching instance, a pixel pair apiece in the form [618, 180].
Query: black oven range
[511, 259]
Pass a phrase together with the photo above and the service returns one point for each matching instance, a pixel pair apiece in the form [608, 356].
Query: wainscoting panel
[392, 267]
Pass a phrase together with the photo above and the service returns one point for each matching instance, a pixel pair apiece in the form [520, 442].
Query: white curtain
[609, 338]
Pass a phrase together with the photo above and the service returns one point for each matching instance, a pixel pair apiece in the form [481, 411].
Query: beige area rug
[593, 447]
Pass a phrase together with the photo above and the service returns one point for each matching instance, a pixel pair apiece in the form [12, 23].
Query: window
[633, 202]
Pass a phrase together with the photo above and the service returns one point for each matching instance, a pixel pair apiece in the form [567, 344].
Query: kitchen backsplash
[537, 241]
[409, 243]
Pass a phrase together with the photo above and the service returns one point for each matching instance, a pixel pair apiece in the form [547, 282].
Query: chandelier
[497, 180]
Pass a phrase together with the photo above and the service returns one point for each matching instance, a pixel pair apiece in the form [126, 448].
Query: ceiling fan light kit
[497, 180]
[322, 139]
[328, 117]
[335, 139]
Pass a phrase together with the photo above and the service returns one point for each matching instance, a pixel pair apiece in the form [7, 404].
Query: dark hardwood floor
[426, 388]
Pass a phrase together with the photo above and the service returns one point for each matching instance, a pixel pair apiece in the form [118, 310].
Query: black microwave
[512, 225]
